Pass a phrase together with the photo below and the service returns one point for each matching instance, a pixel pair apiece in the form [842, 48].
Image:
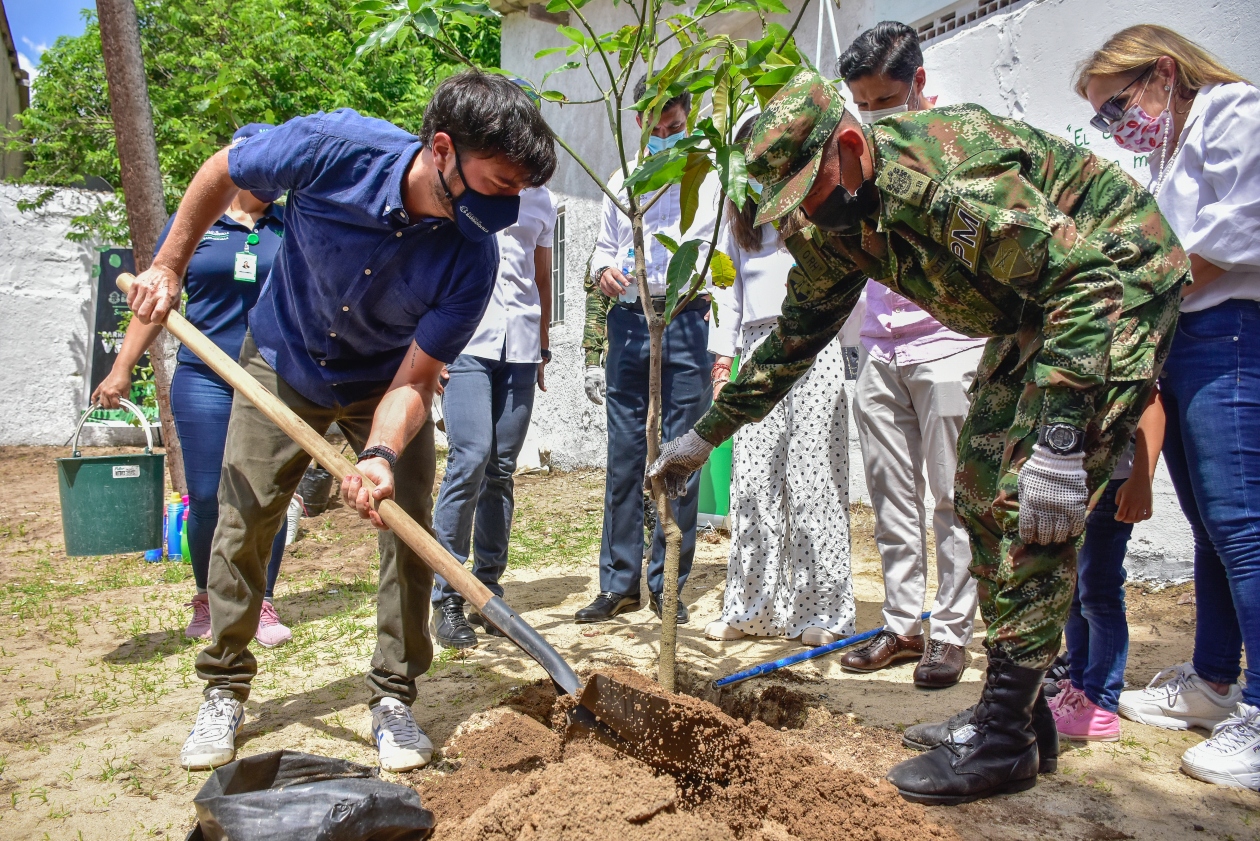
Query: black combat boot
[928, 736]
[450, 626]
[994, 753]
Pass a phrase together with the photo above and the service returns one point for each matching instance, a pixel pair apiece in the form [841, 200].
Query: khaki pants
[261, 470]
[908, 418]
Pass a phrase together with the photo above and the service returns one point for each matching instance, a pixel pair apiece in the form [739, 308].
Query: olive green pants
[1025, 589]
[261, 470]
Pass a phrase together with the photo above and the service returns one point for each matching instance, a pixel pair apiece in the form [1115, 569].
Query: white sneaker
[1232, 756]
[401, 744]
[212, 741]
[1181, 701]
[719, 630]
[814, 637]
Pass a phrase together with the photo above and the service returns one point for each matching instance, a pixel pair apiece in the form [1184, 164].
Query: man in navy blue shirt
[387, 265]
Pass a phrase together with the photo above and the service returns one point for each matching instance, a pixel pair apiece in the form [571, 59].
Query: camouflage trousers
[1025, 590]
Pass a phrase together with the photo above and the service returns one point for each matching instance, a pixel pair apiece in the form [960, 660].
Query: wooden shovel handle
[411, 532]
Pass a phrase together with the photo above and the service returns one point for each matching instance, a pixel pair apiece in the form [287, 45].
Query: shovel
[622, 708]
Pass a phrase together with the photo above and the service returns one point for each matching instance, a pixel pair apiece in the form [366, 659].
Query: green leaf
[768, 84]
[734, 173]
[577, 36]
[656, 171]
[679, 274]
[427, 22]
[698, 166]
[549, 51]
[671, 244]
[721, 102]
[554, 96]
[722, 268]
[568, 65]
[774, 7]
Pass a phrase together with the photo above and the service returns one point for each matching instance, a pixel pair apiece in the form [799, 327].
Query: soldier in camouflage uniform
[999, 230]
[595, 337]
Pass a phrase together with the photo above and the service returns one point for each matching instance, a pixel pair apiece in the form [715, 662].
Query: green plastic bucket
[112, 504]
[715, 476]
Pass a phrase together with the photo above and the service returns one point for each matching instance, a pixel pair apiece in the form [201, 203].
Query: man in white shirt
[487, 405]
[685, 381]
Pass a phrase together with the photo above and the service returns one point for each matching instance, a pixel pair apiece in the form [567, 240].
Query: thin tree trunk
[141, 183]
[666, 670]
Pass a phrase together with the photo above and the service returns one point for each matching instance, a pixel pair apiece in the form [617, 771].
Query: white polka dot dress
[789, 564]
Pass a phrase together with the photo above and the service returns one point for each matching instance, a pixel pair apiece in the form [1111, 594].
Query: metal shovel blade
[686, 740]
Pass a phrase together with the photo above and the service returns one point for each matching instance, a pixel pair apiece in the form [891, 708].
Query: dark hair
[683, 99]
[486, 115]
[890, 48]
[748, 235]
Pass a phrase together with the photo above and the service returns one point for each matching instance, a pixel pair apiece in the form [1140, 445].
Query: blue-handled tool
[800, 657]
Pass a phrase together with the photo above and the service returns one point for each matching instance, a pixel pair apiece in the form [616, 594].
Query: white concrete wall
[45, 313]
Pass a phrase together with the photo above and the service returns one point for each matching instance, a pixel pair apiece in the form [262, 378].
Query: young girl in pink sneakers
[1097, 631]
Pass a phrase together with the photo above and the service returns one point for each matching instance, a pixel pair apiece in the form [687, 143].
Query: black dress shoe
[994, 753]
[606, 606]
[655, 601]
[450, 628]
[487, 628]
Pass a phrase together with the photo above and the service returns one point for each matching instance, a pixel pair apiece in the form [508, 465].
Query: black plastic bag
[315, 489]
[289, 796]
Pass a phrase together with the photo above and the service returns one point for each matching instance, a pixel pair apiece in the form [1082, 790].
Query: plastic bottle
[184, 551]
[293, 520]
[631, 295]
[174, 521]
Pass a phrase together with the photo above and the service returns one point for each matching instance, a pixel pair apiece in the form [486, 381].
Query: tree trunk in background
[141, 183]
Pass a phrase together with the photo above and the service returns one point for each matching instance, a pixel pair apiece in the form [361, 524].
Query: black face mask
[841, 211]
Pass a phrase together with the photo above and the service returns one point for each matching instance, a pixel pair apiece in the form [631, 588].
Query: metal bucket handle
[127, 404]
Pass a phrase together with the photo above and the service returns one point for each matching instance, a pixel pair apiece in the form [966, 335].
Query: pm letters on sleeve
[966, 234]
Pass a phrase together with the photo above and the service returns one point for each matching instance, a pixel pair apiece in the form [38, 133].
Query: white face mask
[869, 117]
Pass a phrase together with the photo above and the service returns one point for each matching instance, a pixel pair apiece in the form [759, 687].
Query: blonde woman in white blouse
[1162, 95]
[788, 574]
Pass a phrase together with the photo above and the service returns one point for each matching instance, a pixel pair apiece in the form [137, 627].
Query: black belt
[658, 305]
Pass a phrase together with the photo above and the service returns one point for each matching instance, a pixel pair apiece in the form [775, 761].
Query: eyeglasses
[1111, 111]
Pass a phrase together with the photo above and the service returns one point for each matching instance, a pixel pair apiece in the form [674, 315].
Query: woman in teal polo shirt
[224, 279]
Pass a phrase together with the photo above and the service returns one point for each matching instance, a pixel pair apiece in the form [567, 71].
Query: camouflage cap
[786, 145]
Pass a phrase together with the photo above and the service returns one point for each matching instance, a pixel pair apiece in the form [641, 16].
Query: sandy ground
[99, 690]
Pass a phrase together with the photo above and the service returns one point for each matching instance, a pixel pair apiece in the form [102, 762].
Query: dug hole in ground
[99, 693]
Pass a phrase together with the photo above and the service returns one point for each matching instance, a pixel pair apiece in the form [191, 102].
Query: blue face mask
[755, 186]
[660, 144]
[477, 215]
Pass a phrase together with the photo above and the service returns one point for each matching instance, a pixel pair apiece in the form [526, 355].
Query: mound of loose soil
[516, 778]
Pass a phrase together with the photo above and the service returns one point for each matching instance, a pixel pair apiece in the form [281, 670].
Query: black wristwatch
[1062, 438]
[546, 354]
[379, 452]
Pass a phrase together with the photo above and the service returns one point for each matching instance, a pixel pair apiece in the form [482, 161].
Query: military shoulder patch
[964, 235]
[1007, 260]
[903, 182]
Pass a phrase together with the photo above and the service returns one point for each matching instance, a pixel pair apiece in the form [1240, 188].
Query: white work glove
[595, 387]
[1052, 497]
[678, 460]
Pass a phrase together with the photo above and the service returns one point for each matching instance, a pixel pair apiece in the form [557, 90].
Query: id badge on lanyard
[247, 262]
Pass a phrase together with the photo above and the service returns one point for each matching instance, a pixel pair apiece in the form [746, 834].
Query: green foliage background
[214, 65]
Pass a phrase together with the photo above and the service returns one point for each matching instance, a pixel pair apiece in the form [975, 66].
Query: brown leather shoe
[884, 650]
[942, 665]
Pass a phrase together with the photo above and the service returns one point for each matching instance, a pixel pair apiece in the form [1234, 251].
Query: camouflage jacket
[595, 329]
[991, 226]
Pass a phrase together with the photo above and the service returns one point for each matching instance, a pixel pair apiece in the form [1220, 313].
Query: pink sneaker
[199, 627]
[1077, 717]
[270, 631]
[1065, 686]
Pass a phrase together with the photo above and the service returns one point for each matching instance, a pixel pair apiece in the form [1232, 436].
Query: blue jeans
[202, 403]
[1211, 391]
[1097, 632]
[487, 406]
[685, 393]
